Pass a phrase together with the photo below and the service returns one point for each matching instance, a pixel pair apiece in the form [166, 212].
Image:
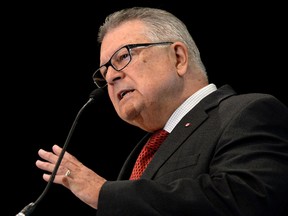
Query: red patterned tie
[147, 153]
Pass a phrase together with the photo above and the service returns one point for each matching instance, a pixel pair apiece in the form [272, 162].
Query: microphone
[28, 209]
[96, 93]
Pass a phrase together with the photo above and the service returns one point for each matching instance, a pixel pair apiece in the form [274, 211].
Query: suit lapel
[174, 140]
[188, 124]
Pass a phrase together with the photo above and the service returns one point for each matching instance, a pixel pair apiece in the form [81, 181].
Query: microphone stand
[28, 209]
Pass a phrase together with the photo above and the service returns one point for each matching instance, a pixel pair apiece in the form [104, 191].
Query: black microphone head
[96, 93]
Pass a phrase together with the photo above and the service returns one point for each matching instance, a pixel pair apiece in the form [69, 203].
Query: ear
[181, 57]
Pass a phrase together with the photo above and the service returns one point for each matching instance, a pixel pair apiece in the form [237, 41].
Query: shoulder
[248, 99]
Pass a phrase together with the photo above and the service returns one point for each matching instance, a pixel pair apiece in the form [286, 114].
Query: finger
[58, 179]
[48, 156]
[47, 166]
[69, 161]
[52, 159]
[44, 166]
[57, 150]
[67, 173]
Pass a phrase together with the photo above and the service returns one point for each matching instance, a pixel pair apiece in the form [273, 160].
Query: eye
[123, 57]
[120, 56]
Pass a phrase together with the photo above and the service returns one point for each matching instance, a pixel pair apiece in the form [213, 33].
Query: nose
[113, 75]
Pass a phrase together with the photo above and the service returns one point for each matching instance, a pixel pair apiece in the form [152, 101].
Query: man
[226, 154]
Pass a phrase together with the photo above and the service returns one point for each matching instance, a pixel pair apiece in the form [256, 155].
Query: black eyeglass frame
[129, 47]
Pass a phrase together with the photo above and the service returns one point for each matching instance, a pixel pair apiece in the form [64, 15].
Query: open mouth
[122, 94]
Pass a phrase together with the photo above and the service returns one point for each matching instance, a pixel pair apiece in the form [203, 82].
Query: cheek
[153, 72]
[160, 86]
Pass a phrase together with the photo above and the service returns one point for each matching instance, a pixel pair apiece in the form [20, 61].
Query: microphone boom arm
[28, 209]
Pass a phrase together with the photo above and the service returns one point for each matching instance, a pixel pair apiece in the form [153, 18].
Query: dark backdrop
[48, 57]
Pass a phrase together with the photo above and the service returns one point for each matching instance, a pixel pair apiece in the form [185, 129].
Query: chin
[129, 115]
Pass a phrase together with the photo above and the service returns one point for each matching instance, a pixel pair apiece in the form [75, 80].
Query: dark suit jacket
[231, 160]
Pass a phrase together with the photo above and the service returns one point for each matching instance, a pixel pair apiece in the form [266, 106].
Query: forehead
[127, 33]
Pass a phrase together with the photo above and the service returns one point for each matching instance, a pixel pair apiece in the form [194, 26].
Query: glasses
[119, 60]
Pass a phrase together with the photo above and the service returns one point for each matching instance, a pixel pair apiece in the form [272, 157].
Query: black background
[49, 52]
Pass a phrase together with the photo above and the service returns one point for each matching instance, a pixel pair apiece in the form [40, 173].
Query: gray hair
[162, 26]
